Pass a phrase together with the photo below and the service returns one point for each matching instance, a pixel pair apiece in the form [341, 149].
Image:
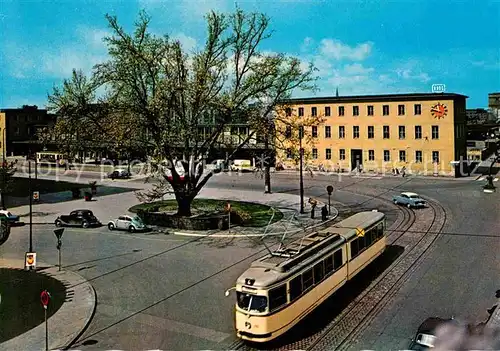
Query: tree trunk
[183, 205]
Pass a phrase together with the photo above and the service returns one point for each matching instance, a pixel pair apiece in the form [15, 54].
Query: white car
[126, 222]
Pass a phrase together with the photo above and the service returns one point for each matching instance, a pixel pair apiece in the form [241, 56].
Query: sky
[359, 47]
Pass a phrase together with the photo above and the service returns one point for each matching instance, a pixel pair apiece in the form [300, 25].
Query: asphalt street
[158, 291]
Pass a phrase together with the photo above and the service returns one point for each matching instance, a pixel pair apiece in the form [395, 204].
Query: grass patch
[256, 215]
[20, 186]
[20, 308]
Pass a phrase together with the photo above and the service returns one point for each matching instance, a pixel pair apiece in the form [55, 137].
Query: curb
[260, 235]
[77, 313]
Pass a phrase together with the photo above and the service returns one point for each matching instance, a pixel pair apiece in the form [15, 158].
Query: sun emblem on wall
[439, 111]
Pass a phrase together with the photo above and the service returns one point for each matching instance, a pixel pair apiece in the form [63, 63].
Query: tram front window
[249, 302]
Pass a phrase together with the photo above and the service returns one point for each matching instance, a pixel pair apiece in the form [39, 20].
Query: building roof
[377, 98]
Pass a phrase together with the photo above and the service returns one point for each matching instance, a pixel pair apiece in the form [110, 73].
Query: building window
[418, 132]
[301, 132]
[341, 132]
[314, 132]
[387, 135]
[387, 155]
[385, 110]
[371, 155]
[301, 111]
[328, 154]
[371, 132]
[355, 132]
[355, 110]
[341, 110]
[288, 111]
[418, 109]
[315, 153]
[418, 156]
[288, 153]
[288, 132]
[435, 156]
[314, 111]
[435, 132]
[402, 132]
[17, 131]
[328, 132]
[370, 110]
[401, 110]
[402, 155]
[327, 111]
[342, 154]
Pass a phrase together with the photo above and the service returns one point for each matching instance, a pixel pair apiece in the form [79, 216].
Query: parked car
[119, 174]
[12, 218]
[126, 222]
[409, 199]
[78, 218]
[425, 337]
[242, 166]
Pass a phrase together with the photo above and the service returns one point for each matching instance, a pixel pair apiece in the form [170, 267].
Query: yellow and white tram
[280, 289]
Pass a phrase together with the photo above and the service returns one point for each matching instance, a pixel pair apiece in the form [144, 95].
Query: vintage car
[12, 218]
[242, 166]
[126, 222]
[409, 199]
[426, 333]
[119, 174]
[78, 218]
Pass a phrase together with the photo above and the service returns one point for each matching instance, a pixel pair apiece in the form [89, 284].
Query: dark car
[426, 333]
[119, 174]
[78, 218]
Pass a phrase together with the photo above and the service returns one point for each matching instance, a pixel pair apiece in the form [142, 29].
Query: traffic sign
[58, 232]
[30, 260]
[360, 232]
[36, 195]
[329, 189]
[45, 298]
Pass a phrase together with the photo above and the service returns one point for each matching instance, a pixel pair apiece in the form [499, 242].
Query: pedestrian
[403, 171]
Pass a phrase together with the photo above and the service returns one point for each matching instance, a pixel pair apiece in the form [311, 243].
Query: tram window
[295, 287]
[361, 244]
[380, 232]
[337, 259]
[374, 234]
[318, 272]
[354, 248]
[307, 279]
[277, 297]
[368, 238]
[328, 264]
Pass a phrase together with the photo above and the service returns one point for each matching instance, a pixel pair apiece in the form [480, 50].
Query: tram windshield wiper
[249, 302]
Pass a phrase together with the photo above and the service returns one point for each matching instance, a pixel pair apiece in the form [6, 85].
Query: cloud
[335, 49]
[357, 68]
[188, 43]
[307, 44]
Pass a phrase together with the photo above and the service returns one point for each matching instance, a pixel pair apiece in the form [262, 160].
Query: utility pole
[31, 204]
[301, 152]
[267, 161]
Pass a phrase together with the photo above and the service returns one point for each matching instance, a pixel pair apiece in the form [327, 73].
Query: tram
[281, 288]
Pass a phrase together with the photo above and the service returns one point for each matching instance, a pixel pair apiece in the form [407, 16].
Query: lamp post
[301, 160]
[267, 160]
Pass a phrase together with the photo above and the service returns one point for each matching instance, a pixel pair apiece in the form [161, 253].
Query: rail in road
[416, 231]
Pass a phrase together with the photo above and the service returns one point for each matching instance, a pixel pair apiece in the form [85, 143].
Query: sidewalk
[67, 324]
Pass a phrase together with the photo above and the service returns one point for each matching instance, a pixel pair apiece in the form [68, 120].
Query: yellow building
[424, 133]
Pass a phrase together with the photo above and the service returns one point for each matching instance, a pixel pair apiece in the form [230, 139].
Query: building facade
[19, 126]
[424, 133]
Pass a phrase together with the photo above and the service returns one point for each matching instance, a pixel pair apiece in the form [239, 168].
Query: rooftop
[379, 98]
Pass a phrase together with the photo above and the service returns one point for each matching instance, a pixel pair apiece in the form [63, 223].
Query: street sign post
[329, 189]
[45, 299]
[58, 233]
[30, 261]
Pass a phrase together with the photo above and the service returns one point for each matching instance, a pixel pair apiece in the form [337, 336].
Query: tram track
[348, 324]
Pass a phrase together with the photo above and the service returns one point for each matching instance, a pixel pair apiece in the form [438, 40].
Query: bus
[52, 158]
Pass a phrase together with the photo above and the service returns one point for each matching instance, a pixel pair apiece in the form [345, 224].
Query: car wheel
[58, 223]
[408, 205]
[131, 229]
[85, 224]
[111, 226]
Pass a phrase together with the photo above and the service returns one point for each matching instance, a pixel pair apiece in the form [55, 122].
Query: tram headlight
[248, 325]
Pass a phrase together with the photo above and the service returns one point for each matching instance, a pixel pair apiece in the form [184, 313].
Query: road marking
[481, 178]
[165, 324]
[368, 177]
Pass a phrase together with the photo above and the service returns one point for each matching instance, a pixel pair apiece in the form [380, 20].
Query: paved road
[132, 272]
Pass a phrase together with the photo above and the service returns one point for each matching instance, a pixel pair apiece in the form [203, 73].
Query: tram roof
[302, 249]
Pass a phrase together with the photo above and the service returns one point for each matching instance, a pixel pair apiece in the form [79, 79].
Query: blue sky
[361, 47]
